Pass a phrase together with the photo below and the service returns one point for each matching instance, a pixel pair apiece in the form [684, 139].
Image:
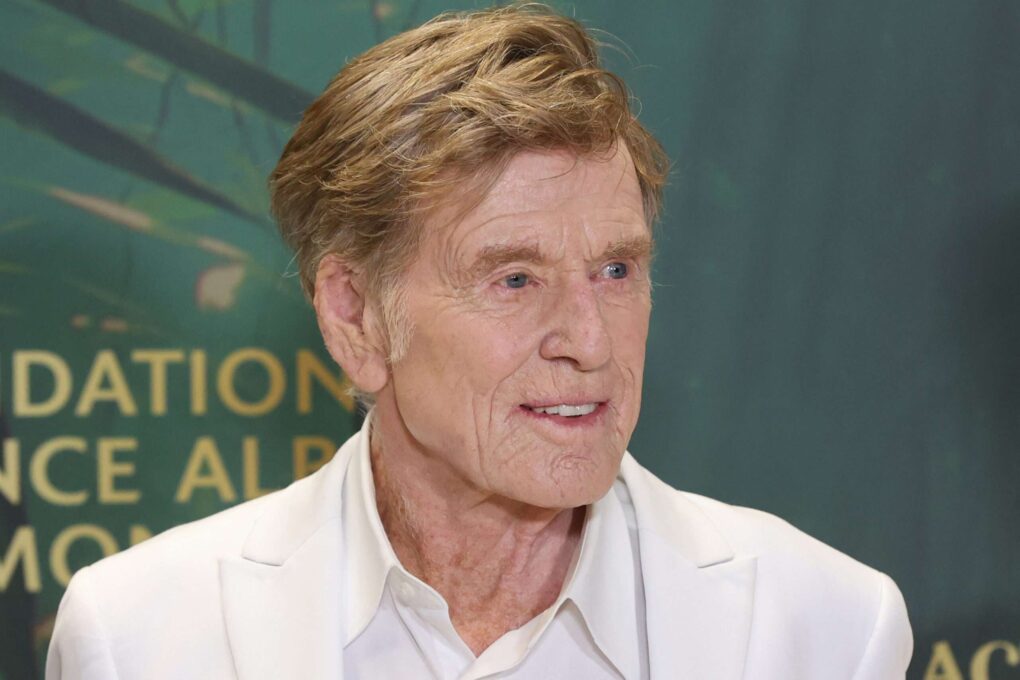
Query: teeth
[568, 410]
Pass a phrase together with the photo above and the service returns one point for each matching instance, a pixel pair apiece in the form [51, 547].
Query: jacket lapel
[282, 596]
[698, 595]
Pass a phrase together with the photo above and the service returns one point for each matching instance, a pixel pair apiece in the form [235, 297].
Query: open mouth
[565, 412]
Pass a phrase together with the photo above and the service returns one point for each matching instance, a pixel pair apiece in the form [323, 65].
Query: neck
[497, 562]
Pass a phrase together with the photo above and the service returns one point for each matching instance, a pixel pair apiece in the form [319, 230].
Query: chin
[571, 483]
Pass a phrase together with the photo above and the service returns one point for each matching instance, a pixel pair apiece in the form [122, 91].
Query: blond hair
[450, 101]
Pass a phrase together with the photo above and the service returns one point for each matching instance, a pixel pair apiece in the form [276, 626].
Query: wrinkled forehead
[540, 207]
[533, 183]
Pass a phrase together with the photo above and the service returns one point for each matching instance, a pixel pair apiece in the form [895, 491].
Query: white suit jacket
[254, 593]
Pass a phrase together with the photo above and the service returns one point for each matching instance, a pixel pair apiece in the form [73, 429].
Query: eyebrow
[634, 248]
[493, 257]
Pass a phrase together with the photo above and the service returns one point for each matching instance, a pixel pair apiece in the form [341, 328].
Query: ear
[349, 325]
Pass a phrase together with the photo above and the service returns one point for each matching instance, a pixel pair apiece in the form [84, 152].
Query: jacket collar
[698, 593]
[282, 595]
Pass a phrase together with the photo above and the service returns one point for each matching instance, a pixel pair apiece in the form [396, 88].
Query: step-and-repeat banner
[836, 333]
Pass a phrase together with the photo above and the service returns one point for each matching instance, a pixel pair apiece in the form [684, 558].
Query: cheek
[630, 331]
[630, 338]
[466, 358]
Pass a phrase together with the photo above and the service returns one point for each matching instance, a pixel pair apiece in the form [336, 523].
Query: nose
[578, 332]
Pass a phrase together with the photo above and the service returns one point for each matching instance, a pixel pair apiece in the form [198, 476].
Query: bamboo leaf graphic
[216, 288]
[142, 223]
[274, 95]
[37, 109]
[136, 220]
[115, 212]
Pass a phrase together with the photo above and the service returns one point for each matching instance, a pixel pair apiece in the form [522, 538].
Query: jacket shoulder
[769, 537]
[816, 611]
[193, 550]
[157, 600]
[176, 571]
[161, 599]
[186, 547]
[818, 605]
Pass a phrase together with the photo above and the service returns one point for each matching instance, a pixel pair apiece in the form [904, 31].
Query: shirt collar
[367, 550]
[601, 584]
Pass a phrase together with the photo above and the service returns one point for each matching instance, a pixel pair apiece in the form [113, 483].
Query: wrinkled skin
[538, 296]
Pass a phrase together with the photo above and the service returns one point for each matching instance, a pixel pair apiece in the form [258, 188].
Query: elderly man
[470, 203]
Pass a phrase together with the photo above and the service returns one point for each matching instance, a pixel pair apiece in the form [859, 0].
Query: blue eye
[517, 280]
[615, 270]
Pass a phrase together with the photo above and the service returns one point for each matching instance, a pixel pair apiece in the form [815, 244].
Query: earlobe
[347, 325]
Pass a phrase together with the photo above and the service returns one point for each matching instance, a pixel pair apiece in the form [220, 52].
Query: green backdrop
[836, 334]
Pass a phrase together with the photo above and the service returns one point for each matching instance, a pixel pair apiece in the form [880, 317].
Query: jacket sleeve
[79, 648]
[891, 644]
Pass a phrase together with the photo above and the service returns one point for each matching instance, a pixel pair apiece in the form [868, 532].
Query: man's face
[530, 315]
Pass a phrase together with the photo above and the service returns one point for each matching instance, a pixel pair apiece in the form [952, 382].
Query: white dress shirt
[399, 627]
